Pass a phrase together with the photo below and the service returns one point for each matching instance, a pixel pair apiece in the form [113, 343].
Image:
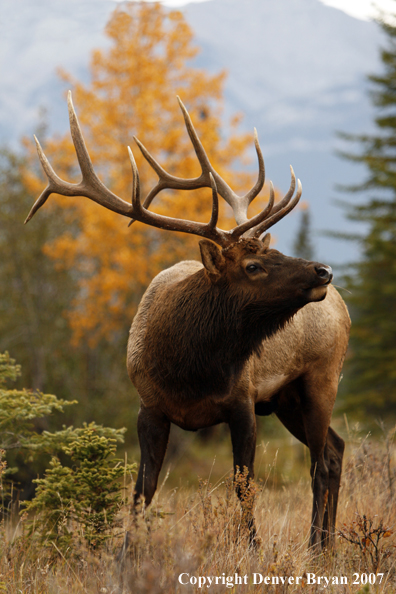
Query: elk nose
[324, 272]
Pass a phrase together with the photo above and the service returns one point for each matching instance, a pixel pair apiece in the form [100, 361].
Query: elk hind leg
[308, 422]
[335, 446]
[317, 400]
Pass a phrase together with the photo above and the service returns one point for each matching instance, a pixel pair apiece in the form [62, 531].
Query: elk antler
[91, 187]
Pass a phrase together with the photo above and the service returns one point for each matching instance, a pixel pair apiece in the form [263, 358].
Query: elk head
[250, 263]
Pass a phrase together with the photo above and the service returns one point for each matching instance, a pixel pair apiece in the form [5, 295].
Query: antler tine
[84, 160]
[197, 144]
[137, 206]
[287, 197]
[251, 195]
[51, 176]
[91, 187]
[275, 217]
[215, 204]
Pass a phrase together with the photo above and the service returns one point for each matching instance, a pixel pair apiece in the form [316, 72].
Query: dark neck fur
[199, 339]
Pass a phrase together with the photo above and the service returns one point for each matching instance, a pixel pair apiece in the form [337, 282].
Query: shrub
[77, 499]
[86, 498]
[18, 410]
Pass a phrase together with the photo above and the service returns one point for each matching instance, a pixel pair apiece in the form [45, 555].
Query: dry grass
[198, 532]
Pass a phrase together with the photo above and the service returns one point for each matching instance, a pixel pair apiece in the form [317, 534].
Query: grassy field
[192, 536]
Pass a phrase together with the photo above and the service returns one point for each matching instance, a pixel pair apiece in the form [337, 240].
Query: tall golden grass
[196, 532]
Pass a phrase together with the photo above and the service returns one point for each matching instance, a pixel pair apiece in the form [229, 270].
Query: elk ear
[212, 258]
[266, 241]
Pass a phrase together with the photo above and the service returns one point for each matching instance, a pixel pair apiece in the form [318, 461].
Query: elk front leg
[243, 436]
[153, 433]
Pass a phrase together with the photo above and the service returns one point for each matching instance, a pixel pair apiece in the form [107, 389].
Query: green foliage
[80, 498]
[370, 373]
[302, 247]
[18, 410]
[34, 294]
[85, 499]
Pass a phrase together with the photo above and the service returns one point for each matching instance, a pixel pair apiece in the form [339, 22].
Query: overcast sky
[361, 9]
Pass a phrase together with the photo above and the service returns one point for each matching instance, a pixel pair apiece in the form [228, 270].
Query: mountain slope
[296, 70]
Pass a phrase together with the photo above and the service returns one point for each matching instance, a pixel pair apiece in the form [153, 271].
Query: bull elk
[246, 332]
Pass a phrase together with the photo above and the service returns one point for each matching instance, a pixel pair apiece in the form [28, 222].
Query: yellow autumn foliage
[132, 91]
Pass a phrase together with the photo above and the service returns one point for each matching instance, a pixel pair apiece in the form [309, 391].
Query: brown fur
[213, 343]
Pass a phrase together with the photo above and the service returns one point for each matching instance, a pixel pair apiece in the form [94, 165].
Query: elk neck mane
[197, 342]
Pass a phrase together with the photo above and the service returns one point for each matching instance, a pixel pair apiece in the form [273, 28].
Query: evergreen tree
[370, 386]
[302, 247]
[34, 294]
[88, 495]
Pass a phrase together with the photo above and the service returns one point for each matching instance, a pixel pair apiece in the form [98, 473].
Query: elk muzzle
[325, 273]
[323, 277]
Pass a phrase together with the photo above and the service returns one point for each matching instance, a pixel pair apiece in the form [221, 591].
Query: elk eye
[252, 268]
